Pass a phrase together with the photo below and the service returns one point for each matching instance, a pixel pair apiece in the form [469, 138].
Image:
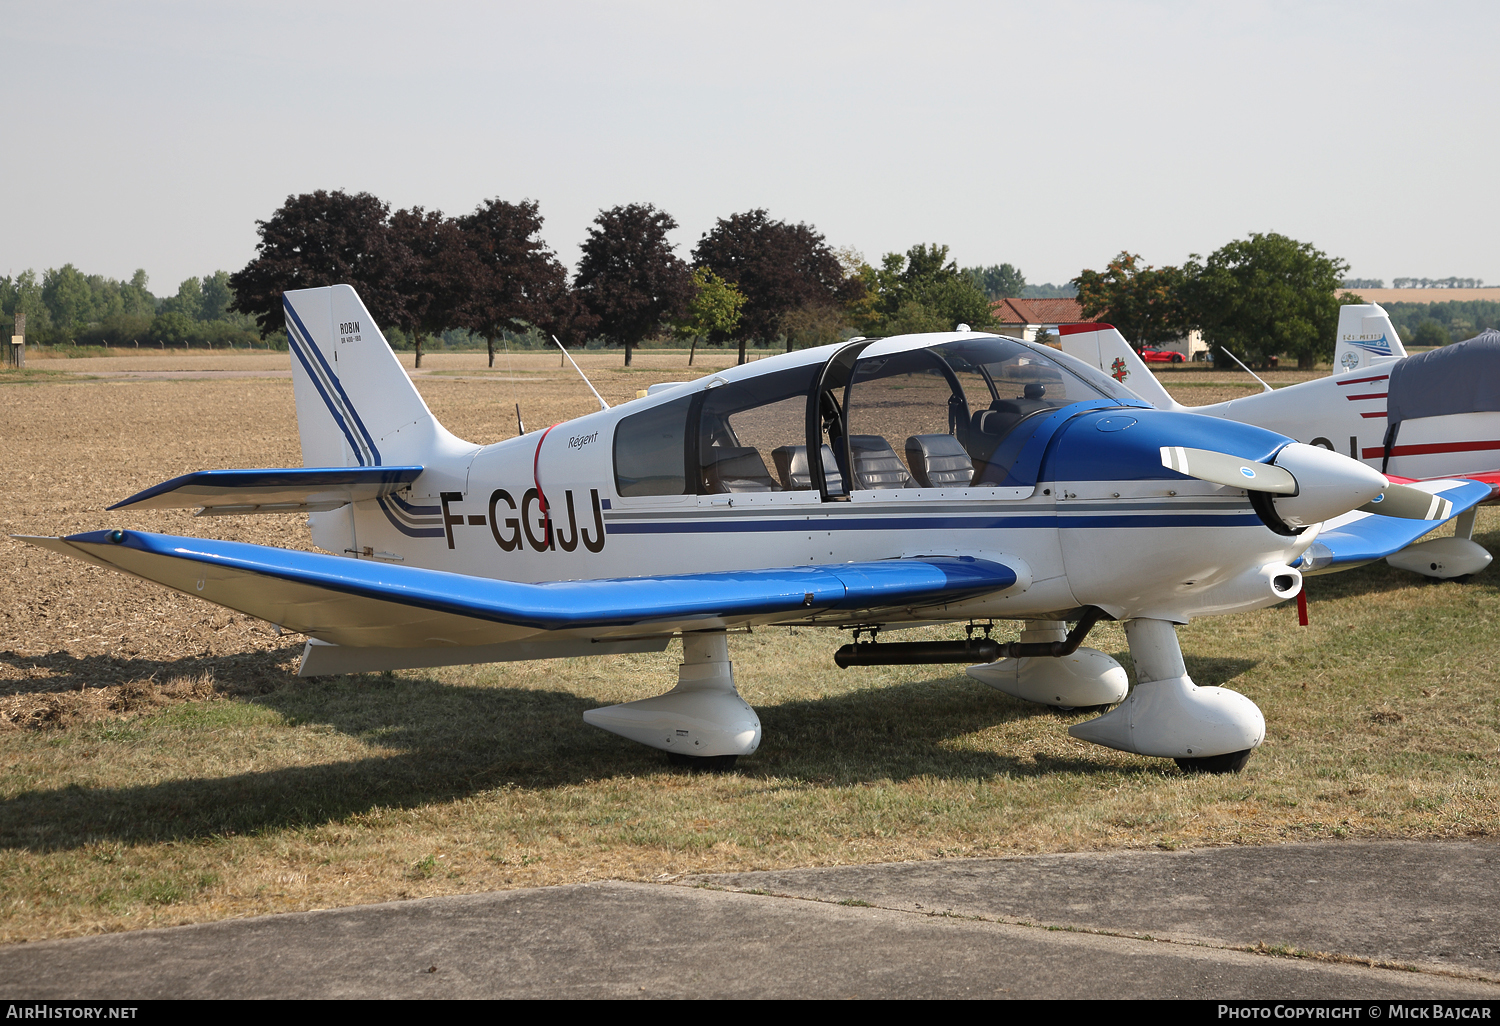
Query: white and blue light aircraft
[958, 477]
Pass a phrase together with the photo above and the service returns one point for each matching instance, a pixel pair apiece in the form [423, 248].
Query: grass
[37, 376]
[1383, 721]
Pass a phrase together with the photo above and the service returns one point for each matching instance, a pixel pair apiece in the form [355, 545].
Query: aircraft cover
[1460, 378]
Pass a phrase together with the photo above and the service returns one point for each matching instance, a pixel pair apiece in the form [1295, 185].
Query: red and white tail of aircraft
[1415, 418]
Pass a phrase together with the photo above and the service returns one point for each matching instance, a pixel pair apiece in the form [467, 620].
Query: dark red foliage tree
[433, 270]
[779, 267]
[628, 277]
[318, 239]
[518, 277]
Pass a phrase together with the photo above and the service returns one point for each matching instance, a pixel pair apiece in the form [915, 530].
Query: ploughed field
[160, 762]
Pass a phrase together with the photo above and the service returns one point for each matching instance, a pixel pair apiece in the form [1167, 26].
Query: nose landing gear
[1205, 730]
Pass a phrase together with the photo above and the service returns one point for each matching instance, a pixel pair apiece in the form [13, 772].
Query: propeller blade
[1409, 503]
[1221, 468]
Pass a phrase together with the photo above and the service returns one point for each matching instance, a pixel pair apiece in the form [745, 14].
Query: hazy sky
[1050, 135]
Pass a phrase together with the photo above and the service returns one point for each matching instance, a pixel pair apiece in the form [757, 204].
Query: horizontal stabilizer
[1357, 538]
[368, 604]
[278, 490]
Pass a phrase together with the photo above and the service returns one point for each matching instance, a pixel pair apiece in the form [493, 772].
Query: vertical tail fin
[1102, 346]
[355, 404]
[1366, 337]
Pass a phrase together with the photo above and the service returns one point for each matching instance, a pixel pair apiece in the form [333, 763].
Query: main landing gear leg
[1206, 730]
[702, 723]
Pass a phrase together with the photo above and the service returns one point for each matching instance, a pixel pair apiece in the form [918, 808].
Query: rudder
[1101, 345]
[356, 406]
[1366, 337]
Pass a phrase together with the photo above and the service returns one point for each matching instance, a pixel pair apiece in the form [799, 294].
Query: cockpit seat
[796, 475]
[735, 468]
[876, 464]
[938, 461]
[1005, 414]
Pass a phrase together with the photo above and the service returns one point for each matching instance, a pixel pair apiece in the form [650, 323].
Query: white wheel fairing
[1176, 719]
[1088, 677]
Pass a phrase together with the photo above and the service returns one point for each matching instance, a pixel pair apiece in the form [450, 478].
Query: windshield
[956, 414]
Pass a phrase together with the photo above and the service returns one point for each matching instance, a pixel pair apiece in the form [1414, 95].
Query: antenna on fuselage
[602, 404]
[1248, 371]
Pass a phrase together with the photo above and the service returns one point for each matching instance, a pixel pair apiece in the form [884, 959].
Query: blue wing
[278, 490]
[380, 605]
[1358, 538]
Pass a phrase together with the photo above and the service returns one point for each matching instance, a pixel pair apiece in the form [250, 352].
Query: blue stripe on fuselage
[1060, 521]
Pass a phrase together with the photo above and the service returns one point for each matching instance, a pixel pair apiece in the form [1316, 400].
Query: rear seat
[736, 468]
[876, 464]
[939, 461]
[796, 475]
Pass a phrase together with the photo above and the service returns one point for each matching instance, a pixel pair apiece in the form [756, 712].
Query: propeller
[1331, 483]
[1409, 503]
[1224, 469]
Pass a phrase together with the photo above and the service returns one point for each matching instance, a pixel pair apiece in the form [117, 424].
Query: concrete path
[951, 928]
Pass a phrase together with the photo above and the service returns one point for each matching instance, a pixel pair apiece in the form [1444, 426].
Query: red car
[1160, 356]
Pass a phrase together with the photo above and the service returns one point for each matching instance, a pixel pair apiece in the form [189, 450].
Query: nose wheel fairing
[1166, 714]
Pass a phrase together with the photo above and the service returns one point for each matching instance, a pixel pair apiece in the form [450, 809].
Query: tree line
[1415, 283]
[1262, 297]
[751, 279]
[1437, 324]
[63, 305]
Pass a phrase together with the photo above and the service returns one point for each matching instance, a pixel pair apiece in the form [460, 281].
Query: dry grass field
[160, 763]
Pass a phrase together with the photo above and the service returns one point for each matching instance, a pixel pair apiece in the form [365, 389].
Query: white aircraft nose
[1328, 484]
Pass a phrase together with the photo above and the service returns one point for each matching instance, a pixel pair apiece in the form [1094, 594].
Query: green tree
[1147, 304]
[172, 327]
[67, 296]
[23, 295]
[920, 291]
[135, 298]
[1431, 333]
[998, 281]
[1266, 296]
[217, 295]
[813, 325]
[104, 298]
[715, 307]
[188, 301]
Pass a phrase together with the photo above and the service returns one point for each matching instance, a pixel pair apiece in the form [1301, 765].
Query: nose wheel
[1232, 762]
[702, 763]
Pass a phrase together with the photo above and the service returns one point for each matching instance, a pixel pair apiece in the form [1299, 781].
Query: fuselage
[953, 444]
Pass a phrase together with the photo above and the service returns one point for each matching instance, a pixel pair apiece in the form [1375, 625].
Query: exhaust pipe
[972, 651]
[906, 653]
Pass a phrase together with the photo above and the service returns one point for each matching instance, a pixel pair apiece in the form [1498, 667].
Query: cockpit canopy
[883, 414]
